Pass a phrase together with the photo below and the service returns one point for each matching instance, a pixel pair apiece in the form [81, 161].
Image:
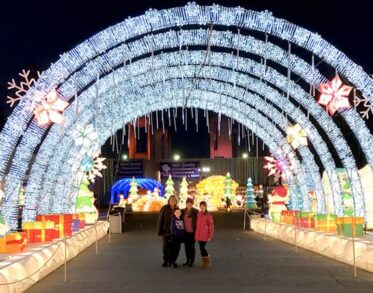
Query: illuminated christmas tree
[228, 191]
[250, 202]
[183, 193]
[133, 196]
[169, 187]
[84, 203]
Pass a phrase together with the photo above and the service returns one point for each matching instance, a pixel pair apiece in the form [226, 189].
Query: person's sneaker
[175, 265]
[190, 264]
[165, 264]
[185, 264]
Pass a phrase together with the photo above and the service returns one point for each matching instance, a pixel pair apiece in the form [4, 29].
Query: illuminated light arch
[147, 78]
[123, 186]
[59, 73]
[205, 100]
[252, 100]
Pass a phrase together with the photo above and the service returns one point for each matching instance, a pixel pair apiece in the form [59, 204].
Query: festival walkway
[242, 262]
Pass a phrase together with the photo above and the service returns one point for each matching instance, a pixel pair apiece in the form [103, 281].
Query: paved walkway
[242, 262]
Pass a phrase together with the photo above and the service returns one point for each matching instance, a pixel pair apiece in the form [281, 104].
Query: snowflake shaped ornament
[368, 107]
[276, 167]
[84, 136]
[51, 109]
[334, 95]
[296, 136]
[22, 87]
[92, 166]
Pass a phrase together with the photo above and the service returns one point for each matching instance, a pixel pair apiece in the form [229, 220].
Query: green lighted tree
[183, 193]
[170, 190]
[250, 202]
[84, 203]
[133, 196]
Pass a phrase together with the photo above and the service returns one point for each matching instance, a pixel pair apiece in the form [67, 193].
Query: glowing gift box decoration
[276, 217]
[350, 226]
[305, 220]
[62, 224]
[289, 217]
[326, 223]
[39, 231]
[13, 242]
[81, 218]
[75, 225]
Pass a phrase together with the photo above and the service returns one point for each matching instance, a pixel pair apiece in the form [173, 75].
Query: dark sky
[33, 33]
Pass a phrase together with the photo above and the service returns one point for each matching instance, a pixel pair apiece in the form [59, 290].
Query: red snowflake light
[334, 95]
[276, 167]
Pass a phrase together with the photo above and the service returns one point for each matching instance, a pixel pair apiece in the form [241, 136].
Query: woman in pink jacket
[204, 232]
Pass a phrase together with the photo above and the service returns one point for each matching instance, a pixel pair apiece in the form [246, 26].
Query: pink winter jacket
[205, 227]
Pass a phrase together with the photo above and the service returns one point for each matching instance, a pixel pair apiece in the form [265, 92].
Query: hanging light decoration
[22, 87]
[296, 136]
[85, 136]
[51, 109]
[276, 167]
[92, 166]
[334, 95]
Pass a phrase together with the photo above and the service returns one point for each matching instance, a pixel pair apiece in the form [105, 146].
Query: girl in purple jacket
[204, 232]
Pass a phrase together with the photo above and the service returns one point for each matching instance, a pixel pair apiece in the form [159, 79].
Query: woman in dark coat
[189, 215]
[163, 227]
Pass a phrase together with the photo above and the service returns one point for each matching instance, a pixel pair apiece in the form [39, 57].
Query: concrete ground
[242, 262]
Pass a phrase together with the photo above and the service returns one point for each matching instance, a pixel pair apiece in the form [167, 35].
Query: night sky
[34, 33]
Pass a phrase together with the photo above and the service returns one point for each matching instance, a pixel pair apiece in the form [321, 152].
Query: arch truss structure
[250, 66]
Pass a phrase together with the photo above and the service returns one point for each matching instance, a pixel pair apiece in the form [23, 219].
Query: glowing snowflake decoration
[51, 109]
[296, 136]
[276, 167]
[85, 136]
[92, 167]
[22, 87]
[334, 95]
[368, 107]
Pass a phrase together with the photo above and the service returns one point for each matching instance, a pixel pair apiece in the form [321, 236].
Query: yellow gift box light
[326, 222]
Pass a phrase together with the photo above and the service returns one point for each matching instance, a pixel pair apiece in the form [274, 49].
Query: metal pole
[109, 234]
[244, 220]
[64, 240]
[265, 228]
[96, 237]
[353, 245]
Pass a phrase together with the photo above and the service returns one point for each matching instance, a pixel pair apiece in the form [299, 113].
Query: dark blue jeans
[202, 248]
[175, 245]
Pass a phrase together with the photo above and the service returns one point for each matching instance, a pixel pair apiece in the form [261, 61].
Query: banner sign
[189, 170]
[128, 169]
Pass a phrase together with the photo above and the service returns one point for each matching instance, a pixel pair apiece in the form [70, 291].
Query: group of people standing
[186, 226]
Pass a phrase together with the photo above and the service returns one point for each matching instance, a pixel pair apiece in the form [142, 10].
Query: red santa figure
[278, 199]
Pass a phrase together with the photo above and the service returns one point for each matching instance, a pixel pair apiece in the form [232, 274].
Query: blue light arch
[123, 186]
